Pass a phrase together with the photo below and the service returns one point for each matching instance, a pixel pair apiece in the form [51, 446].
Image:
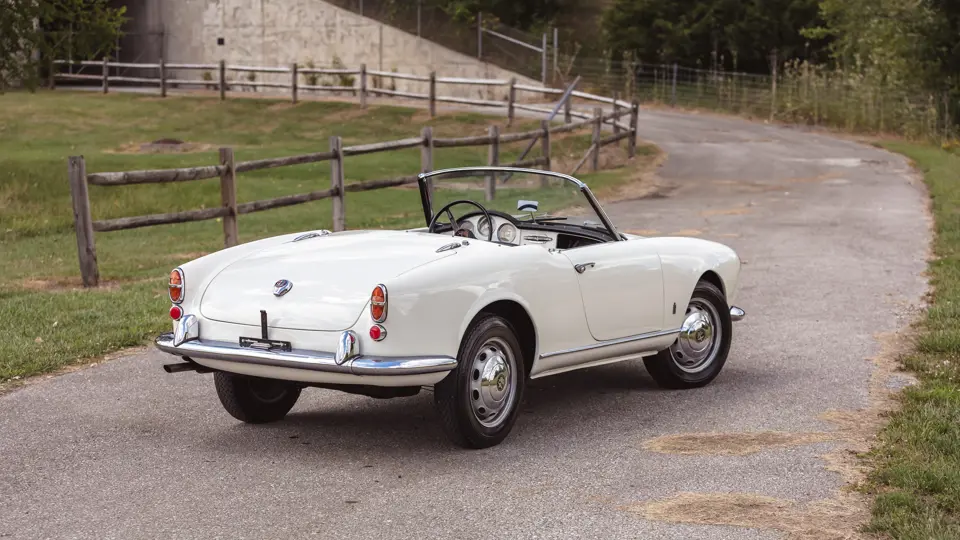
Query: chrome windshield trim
[422, 179]
[610, 342]
[308, 360]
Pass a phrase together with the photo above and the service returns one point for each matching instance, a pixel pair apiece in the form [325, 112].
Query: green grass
[917, 481]
[49, 321]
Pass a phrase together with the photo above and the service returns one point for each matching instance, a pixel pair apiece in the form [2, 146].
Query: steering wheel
[453, 220]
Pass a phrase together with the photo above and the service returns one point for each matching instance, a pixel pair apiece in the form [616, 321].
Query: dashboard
[510, 232]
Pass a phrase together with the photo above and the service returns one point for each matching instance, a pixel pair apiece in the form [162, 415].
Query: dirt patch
[163, 146]
[836, 518]
[64, 284]
[826, 519]
[739, 211]
[732, 444]
[346, 115]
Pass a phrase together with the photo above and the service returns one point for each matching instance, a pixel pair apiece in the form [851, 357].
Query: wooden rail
[228, 168]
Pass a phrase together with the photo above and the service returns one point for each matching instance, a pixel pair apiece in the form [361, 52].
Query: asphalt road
[834, 236]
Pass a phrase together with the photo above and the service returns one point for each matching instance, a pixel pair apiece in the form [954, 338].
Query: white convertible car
[471, 306]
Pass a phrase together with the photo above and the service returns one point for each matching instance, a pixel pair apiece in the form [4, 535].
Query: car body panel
[630, 303]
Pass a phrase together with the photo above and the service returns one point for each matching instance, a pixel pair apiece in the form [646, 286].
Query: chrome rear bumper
[307, 360]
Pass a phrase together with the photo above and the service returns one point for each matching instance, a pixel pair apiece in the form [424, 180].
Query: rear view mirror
[528, 206]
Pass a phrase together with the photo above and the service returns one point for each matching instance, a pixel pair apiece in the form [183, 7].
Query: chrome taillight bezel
[383, 316]
[182, 286]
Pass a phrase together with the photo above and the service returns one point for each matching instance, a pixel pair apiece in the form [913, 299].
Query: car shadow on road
[596, 403]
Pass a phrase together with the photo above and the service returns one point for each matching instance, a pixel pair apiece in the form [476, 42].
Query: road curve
[834, 235]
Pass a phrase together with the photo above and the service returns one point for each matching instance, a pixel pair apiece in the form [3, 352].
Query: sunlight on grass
[38, 257]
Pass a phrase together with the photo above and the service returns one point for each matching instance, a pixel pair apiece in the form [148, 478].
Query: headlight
[507, 233]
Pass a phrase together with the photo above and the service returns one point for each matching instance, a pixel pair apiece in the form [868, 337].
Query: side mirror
[527, 206]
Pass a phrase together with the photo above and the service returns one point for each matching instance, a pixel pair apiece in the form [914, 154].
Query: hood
[332, 278]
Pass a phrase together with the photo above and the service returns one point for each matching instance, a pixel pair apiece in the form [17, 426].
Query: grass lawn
[50, 322]
[917, 481]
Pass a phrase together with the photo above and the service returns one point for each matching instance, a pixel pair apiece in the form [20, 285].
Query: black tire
[254, 400]
[458, 397]
[670, 368]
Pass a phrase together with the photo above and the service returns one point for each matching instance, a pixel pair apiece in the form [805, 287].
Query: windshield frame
[426, 199]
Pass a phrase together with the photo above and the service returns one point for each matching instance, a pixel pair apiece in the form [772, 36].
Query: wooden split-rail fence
[228, 168]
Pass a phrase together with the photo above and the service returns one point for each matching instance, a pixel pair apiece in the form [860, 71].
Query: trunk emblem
[282, 287]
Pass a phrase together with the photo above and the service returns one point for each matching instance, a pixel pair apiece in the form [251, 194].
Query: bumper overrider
[185, 341]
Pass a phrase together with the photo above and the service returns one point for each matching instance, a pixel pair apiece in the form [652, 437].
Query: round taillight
[176, 312]
[377, 332]
[176, 286]
[378, 304]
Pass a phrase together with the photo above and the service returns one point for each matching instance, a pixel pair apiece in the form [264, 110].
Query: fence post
[545, 147]
[336, 182]
[556, 54]
[163, 78]
[479, 36]
[773, 89]
[228, 197]
[293, 82]
[106, 76]
[223, 80]
[363, 86]
[426, 155]
[634, 122]
[543, 60]
[597, 130]
[433, 94]
[567, 117]
[493, 160]
[616, 113]
[673, 87]
[82, 222]
[512, 97]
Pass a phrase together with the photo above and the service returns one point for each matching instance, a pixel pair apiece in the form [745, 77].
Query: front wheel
[478, 401]
[254, 400]
[701, 349]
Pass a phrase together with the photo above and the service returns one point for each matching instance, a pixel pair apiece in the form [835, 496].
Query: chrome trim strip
[610, 342]
[427, 175]
[737, 314]
[309, 360]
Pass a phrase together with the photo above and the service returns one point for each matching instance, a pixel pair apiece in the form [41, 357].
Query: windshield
[529, 196]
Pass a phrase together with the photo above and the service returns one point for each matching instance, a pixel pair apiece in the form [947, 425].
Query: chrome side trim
[609, 342]
[308, 360]
[737, 314]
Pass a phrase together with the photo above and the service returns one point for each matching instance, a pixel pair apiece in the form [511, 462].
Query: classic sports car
[472, 306]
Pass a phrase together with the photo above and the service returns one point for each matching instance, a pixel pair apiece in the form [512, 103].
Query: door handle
[581, 268]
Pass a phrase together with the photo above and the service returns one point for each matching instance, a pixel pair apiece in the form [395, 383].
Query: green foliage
[917, 479]
[708, 33]
[35, 32]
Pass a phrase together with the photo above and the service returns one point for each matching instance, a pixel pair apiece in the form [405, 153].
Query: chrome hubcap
[696, 346]
[492, 384]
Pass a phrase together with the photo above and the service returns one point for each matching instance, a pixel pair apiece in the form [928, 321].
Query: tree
[33, 33]
[737, 34]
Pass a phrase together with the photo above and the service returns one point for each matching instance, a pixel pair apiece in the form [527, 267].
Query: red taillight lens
[378, 304]
[176, 312]
[176, 286]
[377, 332]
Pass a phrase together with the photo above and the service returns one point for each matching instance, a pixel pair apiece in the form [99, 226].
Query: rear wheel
[478, 401]
[701, 349]
[255, 400]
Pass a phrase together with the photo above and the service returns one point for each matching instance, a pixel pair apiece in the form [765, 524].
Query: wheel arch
[714, 278]
[519, 318]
